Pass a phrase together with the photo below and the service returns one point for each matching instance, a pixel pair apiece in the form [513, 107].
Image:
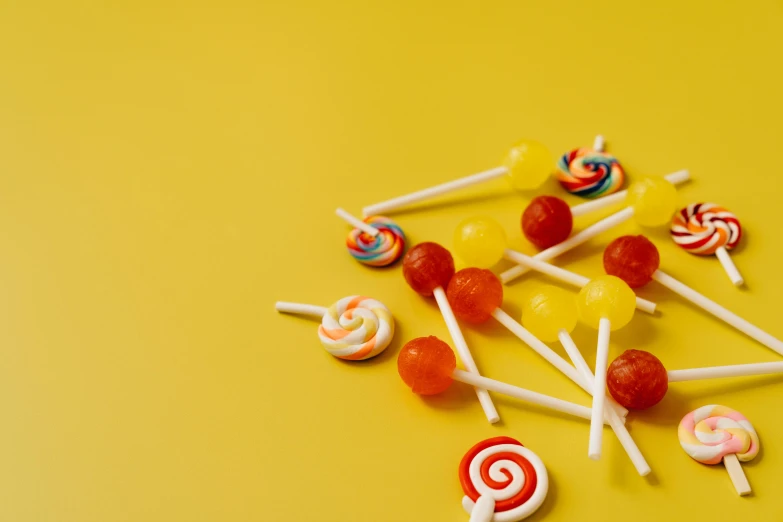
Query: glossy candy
[606, 297]
[480, 241]
[547, 221]
[549, 310]
[529, 165]
[590, 173]
[712, 432]
[512, 475]
[426, 267]
[702, 228]
[425, 365]
[634, 259]
[637, 380]
[653, 199]
[381, 250]
[474, 293]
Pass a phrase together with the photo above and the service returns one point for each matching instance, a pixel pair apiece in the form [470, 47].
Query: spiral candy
[712, 432]
[512, 475]
[590, 173]
[381, 250]
[356, 328]
[702, 228]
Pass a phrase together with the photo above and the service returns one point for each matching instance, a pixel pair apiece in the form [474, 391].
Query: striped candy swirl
[712, 432]
[356, 328]
[702, 228]
[511, 474]
[589, 173]
[381, 250]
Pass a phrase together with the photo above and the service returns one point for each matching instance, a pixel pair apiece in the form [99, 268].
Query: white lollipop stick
[599, 383]
[357, 223]
[736, 475]
[719, 372]
[483, 509]
[301, 309]
[626, 441]
[539, 399]
[675, 178]
[550, 355]
[564, 275]
[598, 144]
[729, 266]
[573, 241]
[438, 190]
[464, 352]
[720, 312]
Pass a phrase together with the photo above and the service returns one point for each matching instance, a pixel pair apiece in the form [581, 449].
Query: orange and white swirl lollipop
[354, 328]
[705, 229]
[503, 481]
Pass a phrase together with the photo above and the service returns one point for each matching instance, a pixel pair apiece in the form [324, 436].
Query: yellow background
[170, 169]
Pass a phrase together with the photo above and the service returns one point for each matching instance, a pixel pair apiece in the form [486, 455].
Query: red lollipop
[428, 268]
[637, 380]
[547, 221]
[634, 259]
[474, 293]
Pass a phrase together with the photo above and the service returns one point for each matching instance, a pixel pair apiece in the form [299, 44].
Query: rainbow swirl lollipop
[589, 173]
[383, 249]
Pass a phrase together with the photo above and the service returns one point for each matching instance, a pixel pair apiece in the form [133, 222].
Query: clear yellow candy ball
[606, 297]
[529, 165]
[549, 310]
[654, 201]
[480, 242]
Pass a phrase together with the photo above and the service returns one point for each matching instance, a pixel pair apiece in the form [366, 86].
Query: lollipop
[651, 202]
[354, 328]
[547, 221]
[376, 241]
[428, 268]
[502, 481]
[428, 366]
[481, 242]
[638, 380]
[635, 260]
[551, 314]
[475, 296]
[715, 433]
[590, 173]
[605, 303]
[705, 229]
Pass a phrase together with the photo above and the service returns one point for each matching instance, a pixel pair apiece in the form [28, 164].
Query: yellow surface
[170, 169]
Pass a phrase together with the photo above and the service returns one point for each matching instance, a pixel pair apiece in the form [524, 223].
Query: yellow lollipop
[480, 242]
[549, 312]
[529, 165]
[606, 303]
[654, 201]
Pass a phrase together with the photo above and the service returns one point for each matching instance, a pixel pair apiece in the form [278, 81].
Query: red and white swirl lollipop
[502, 480]
[705, 229]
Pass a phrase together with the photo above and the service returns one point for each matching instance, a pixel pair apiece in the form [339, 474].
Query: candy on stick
[605, 303]
[527, 165]
[428, 268]
[651, 202]
[551, 314]
[502, 480]
[590, 172]
[475, 296]
[547, 221]
[375, 241]
[638, 380]
[635, 260]
[428, 366]
[706, 229]
[354, 328]
[716, 433]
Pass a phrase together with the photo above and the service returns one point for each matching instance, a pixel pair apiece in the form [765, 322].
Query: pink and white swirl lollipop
[502, 480]
[705, 229]
[715, 433]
